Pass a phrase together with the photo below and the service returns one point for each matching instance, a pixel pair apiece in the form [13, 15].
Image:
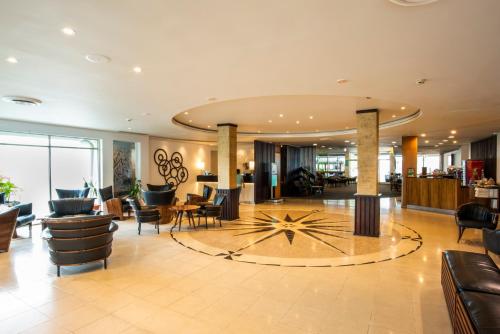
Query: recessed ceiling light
[440, 143]
[297, 122]
[451, 137]
[453, 132]
[345, 149]
[436, 145]
[403, 108]
[190, 121]
[281, 115]
[323, 146]
[394, 142]
[423, 135]
[209, 126]
[97, 59]
[395, 145]
[342, 81]
[421, 81]
[311, 117]
[353, 143]
[186, 113]
[454, 142]
[347, 141]
[330, 148]
[137, 69]
[12, 60]
[445, 140]
[270, 121]
[315, 144]
[427, 142]
[68, 31]
[393, 116]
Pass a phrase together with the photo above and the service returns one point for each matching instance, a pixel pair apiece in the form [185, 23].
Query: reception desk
[435, 193]
[247, 192]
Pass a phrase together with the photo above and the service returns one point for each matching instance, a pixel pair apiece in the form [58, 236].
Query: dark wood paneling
[307, 157]
[231, 208]
[444, 194]
[367, 216]
[486, 149]
[264, 157]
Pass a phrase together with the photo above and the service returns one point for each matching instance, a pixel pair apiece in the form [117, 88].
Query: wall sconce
[251, 165]
[201, 166]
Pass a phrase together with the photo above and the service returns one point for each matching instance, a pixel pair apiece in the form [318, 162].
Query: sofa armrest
[491, 240]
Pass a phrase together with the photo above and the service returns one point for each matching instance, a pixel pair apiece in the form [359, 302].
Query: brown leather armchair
[7, 228]
[113, 205]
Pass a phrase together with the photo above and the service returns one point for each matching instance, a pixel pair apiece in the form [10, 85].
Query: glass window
[384, 167]
[431, 161]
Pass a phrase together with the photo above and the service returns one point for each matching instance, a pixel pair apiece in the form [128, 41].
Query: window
[431, 161]
[38, 164]
[330, 163]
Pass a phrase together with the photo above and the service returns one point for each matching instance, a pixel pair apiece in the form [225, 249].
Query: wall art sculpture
[171, 169]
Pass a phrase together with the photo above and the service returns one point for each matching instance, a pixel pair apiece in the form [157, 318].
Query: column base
[231, 209]
[367, 215]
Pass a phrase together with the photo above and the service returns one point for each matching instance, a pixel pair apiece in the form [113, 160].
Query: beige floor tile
[48, 327]
[109, 324]
[22, 321]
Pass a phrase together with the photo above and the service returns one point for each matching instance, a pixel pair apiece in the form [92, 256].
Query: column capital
[366, 111]
[227, 124]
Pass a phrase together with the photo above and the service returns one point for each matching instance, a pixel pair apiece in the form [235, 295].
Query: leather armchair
[72, 193]
[25, 217]
[161, 187]
[474, 215]
[195, 199]
[491, 241]
[72, 206]
[7, 227]
[164, 200]
[79, 240]
[214, 211]
[145, 214]
[112, 205]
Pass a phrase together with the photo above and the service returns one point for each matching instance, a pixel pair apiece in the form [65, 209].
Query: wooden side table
[180, 209]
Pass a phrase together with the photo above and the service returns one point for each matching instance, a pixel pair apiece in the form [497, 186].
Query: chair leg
[106, 263]
[206, 222]
[460, 233]
[30, 226]
[220, 222]
[158, 226]
[198, 220]
[58, 271]
[139, 228]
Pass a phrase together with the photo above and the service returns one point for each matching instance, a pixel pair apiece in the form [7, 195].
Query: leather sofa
[25, 217]
[72, 206]
[145, 214]
[7, 228]
[471, 286]
[79, 240]
[112, 205]
[474, 215]
[72, 193]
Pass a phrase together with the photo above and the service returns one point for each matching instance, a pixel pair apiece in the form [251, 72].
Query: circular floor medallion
[298, 239]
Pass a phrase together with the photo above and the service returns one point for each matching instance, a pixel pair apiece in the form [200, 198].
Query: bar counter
[435, 193]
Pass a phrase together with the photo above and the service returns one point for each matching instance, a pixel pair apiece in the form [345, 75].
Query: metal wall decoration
[171, 169]
[123, 166]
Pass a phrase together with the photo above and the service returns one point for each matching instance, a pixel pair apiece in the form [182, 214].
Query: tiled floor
[155, 285]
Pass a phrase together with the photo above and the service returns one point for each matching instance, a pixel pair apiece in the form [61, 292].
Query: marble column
[226, 170]
[367, 211]
[409, 150]
[346, 166]
[392, 161]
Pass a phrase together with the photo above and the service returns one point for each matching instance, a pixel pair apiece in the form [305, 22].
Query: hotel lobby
[250, 167]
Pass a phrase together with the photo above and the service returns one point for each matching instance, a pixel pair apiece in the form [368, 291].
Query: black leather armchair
[491, 241]
[25, 217]
[79, 240]
[160, 187]
[195, 199]
[145, 214]
[214, 211]
[115, 206]
[72, 193]
[474, 215]
[72, 206]
[159, 197]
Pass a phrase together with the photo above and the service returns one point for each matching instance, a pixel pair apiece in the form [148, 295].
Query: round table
[180, 209]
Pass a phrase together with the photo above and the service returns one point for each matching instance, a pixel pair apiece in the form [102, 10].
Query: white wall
[192, 153]
[106, 137]
[244, 153]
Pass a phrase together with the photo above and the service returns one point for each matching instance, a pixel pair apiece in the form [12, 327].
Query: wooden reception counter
[435, 193]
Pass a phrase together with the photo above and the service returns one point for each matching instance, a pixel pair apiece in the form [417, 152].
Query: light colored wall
[191, 153]
[244, 154]
[106, 138]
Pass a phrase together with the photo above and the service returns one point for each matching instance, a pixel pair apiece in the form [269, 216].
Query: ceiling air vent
[22, 100]
[410, 3]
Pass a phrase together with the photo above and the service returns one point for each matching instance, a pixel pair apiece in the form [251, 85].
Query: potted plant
[8, 188]
[136, 190]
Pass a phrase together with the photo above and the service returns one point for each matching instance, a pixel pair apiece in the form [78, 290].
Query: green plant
[135, 191]
[7, 187]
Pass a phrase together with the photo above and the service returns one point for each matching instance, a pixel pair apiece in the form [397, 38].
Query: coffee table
[180, 209]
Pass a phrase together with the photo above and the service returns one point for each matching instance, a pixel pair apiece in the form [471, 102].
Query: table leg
[191, 218]
[180, 220]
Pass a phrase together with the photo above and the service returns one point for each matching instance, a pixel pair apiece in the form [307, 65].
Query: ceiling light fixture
[315, 144]
[345, 149]
[451, 137]
[427, 142]
[311, 117]
[190, 121]
[454, 142]
[394, 142]
[68, 31]
[453, 132]
[445, 140]
[440, 143]
[330, 148]
[323, 146]
[403, 108]
[423, 135]
[342, 81]
[97, 58]
[270, 121]
[393, 116]
[186, 113]
[281, 115]
[137, 69]
[347, 141]
[209, 126]
[297, 122]
[12, 60]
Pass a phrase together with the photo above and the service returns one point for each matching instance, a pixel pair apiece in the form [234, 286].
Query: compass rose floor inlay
[298, 238]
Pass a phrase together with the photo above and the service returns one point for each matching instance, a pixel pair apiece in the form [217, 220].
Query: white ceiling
[191, 51]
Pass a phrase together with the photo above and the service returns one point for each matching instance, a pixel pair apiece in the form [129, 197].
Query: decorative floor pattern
[298, 239]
